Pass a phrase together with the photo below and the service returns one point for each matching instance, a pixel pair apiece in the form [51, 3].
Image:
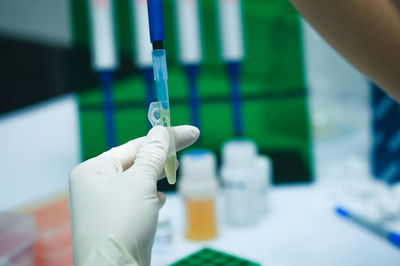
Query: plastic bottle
[263, 165]
[240, 182]
[198, 184]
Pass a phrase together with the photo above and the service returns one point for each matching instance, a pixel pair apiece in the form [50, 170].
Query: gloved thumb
[152, 154]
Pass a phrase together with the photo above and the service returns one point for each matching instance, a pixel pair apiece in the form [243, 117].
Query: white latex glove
[114, 201]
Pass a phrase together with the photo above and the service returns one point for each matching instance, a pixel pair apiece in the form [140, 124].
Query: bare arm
[366, 32]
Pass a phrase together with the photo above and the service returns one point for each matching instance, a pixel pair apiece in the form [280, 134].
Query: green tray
[211, 257]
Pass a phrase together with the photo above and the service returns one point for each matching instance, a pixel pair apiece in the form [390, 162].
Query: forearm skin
[365, 32]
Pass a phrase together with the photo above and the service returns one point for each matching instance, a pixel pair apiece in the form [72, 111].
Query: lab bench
[300, 228]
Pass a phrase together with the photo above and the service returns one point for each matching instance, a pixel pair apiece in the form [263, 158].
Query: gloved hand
[114, 201]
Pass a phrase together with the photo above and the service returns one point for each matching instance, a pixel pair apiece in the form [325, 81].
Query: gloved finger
[185, 136]
[124, 155]
[121, 158]
[161, 199]
[152, 154]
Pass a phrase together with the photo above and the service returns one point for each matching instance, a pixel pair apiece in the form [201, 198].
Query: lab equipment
[212, 257]
[17, 235]
[143, 59]
[106, 80]
[104, 57]
[240, 182]
[159, 112]
[190, 50]
[232, 51]
[285, 91]
[263, 166]
[392, 237]
[198, 185]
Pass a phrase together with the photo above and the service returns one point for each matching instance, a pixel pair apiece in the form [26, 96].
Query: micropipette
[190, 50]
[232, 51]
[159, 113]
[143, 58]
[104, 57]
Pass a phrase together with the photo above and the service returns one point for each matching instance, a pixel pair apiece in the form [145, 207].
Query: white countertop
[301, 228]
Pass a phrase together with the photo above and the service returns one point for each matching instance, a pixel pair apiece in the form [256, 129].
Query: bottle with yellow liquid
[198, 185]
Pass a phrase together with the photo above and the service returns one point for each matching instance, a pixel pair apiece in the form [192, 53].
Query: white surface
[300, 229]
[39, 147]
[103, 35]
[140, 22]
[231, 29]
[45, 21]
[188, 25]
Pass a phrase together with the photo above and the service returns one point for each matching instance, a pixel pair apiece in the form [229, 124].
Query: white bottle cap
[239, 152]
[198, 163]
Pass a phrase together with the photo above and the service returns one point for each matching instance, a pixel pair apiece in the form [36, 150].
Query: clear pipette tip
[159, 111]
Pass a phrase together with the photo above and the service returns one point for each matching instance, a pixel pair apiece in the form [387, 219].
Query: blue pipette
[192, 73]
[393, 238]
[190, 50]
[232, 51]
[106, 79]
[233, 69]
[159, 113]
[142, 47]
[104, 58]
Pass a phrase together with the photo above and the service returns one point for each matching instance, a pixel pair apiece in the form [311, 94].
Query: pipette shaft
[156, 25]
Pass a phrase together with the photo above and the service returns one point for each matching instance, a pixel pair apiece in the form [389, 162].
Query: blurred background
[302, 105]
